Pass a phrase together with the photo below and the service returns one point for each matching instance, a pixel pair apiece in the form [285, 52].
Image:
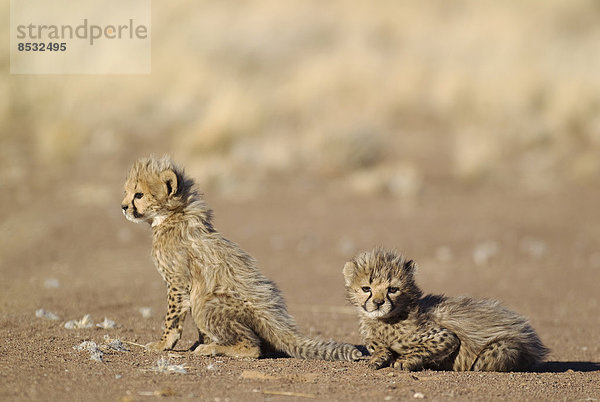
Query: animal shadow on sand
[547, 367]
[561, 367]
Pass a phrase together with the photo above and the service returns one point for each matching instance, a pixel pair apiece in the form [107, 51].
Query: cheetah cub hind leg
[245, 347]
[234, 340]
[500, 355]
[202, 340]
[240, 349]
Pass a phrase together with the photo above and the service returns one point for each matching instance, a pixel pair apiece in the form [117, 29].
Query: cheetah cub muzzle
[403, 329]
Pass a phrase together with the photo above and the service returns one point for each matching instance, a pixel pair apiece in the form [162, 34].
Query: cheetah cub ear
[169, 179]
[348, 271]
[410, 267]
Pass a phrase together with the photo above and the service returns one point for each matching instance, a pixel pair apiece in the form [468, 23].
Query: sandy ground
[313, 111]
[540, 255]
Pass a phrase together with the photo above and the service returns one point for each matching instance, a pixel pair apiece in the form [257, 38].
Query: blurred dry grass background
[373, 97]
[388, 96]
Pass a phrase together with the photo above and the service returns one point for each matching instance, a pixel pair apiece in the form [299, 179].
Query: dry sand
[540, 255]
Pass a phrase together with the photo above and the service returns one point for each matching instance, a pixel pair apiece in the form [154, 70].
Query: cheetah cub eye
[138, 195]
[392, 290]
[366, 289]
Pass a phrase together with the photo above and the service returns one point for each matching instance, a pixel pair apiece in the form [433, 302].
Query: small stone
[90, 346]
[114, 344]
[51, 283]
[418, 395]
[164, 366]
[534, 247]
[484, 251]
[146, 312]
[41, 313]
[444, 254]
[346, 245]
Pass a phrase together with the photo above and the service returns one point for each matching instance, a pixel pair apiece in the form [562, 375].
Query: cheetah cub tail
[308, 348]
[282, 334]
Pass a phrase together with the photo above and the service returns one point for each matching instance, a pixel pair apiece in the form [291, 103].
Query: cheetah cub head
[152, 190]
[381, 284]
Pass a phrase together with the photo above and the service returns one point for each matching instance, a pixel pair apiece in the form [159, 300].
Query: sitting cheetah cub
[411, 332]
[236, 309]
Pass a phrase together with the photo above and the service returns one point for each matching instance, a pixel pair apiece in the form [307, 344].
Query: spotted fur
[406, 330]
[238, 311]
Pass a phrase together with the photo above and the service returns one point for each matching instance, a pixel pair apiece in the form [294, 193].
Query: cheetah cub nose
[124, 207]
[378, 302]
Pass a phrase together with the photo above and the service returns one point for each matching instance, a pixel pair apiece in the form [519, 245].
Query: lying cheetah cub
[411, 332]
[236, 309]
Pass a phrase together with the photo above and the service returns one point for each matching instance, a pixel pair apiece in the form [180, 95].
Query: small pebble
[418, 395]
[534, 247]
[444, 254]
[41, 313]
[484, 251]
[51, 283]
[146, 312]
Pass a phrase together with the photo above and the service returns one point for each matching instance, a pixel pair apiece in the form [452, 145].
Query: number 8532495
[41, 47]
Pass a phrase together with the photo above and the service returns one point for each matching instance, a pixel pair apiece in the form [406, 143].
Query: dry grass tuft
[84, 322]
[106, 324]
[500, 93]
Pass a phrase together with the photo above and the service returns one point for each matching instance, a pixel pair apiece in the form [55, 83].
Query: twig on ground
[160, 392]
[134, 344]
[286, 393]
